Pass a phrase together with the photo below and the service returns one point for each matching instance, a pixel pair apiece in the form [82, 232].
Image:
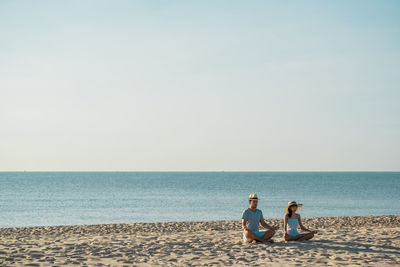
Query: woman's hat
[292, 203]
[253, 197]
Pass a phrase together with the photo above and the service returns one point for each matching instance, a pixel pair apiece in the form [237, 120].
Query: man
[251, 218]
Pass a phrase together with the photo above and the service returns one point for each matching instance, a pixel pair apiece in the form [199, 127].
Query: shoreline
[343, 221]
[345, 240]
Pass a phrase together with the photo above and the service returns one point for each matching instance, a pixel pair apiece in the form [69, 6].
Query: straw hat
[253, 197]
[292, 203]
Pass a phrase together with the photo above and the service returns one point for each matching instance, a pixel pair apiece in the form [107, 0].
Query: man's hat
[253, 197]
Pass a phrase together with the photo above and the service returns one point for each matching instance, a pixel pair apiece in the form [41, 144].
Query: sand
[343, 241]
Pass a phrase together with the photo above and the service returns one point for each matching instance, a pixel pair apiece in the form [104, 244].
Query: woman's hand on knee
[286, 236]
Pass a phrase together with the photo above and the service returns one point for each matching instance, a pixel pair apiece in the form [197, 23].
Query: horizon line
[2, 171]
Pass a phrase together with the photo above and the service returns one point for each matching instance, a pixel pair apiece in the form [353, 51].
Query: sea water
[69, 198]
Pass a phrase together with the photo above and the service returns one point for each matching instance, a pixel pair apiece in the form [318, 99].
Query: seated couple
[252, 217]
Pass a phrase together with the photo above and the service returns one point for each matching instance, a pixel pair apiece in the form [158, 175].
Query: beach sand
[343, 241]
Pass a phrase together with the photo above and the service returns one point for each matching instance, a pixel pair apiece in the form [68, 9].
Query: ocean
[70, 198]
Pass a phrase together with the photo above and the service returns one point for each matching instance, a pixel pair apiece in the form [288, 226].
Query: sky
[199, 85]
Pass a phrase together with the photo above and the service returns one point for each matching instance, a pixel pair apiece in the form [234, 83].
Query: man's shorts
[257, 233]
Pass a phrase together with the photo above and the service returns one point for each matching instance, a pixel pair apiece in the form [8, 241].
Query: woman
[292, 220]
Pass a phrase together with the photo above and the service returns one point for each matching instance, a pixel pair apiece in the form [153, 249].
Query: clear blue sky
[199, 85]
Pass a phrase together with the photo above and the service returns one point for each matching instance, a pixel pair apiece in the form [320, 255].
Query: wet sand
[344, 241]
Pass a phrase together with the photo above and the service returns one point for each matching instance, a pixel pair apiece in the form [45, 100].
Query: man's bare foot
[254, 241]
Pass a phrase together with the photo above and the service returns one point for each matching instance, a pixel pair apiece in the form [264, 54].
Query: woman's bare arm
[302, 226]
[285, 223]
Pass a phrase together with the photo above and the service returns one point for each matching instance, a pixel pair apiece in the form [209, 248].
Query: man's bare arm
[244, 227]
[266, 225]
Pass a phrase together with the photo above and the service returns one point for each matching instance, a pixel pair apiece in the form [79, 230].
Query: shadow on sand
[337, 245]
